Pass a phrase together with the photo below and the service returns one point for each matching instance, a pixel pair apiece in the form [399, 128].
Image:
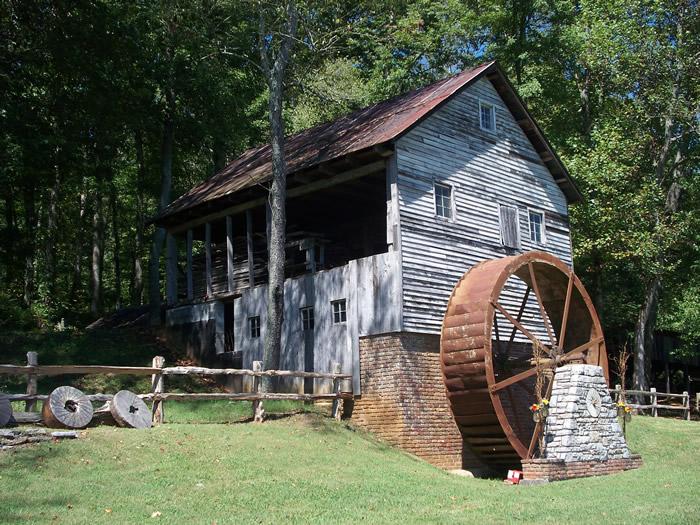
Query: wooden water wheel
[500, 311]
[67, 407]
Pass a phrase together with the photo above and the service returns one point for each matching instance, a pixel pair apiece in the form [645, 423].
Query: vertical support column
[618, 391]
[171, 270]
[207, 255]
[654, 409]
[393, 233]
[229, 252]
[190, 281]
[697, 402]
[249, 247]
[32, 360]
[337, 409]
[686, 404]
[268, 226]
[157, 387]
[258, 410]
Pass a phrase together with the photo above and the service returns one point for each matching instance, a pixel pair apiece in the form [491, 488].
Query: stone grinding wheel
[5, 410]
[129, 410]
[498, 313]
[67, 407]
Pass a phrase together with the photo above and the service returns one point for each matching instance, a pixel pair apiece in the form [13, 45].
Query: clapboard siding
[485, 169]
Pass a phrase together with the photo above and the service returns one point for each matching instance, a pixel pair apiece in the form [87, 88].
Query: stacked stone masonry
[582, 438]
[403, 399]
[572, 432]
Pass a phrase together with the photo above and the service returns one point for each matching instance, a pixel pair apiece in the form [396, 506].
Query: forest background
[110, 109]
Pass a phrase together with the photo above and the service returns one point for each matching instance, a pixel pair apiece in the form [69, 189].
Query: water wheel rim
[485, 294]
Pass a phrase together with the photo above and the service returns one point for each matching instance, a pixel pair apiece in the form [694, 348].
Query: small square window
[339, 311]
[536, 219]
[307, 318]
[254, 325]
[487, 116]
[443, 200]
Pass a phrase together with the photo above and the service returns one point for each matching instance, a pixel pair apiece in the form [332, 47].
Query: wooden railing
[159, 372]
[654, 404]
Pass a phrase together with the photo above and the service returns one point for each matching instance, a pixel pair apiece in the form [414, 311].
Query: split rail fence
[158, 372]
[654, 406]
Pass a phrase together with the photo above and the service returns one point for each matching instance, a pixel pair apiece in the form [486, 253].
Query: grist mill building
[387, 208]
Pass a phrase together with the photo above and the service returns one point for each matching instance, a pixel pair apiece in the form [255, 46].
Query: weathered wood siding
[485, 169]
[371, 287]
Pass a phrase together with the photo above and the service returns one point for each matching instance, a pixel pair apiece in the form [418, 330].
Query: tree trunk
[78, 245]
[275, 74]
[97, 247]
[30, 219]
[50, 237]
[137, 272]
[117, 244]
[166, 172]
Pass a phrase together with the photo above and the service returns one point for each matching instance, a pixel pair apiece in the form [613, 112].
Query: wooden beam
[229, 252]
[190, 280]
[249, 246]
[171, 270]
[324, 183]
[207, 257]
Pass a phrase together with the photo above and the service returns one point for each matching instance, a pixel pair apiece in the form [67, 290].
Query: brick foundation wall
[403, 399]
[557, 469]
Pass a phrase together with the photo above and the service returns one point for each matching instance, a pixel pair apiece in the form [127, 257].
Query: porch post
[249, 245]
[171, 269]
[207, 252]
[229, 252]
[190, 282]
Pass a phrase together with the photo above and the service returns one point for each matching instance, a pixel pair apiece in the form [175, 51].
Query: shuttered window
[510, 232]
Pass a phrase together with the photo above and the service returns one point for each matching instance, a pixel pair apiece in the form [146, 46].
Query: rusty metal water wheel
[498, 313]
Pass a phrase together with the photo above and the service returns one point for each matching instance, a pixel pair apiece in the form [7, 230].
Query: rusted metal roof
[372, 126]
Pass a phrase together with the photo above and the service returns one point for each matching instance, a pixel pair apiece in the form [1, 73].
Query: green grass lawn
[309, 468]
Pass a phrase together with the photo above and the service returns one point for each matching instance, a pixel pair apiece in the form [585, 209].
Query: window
[487, 116]
[339, 311]
[254, 325]
[510, 230]
[307, 318]
[536, 220]
[443, 200]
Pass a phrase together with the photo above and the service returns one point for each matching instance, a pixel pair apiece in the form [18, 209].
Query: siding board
[486, 169]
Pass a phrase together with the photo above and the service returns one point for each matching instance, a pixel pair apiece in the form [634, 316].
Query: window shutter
[509, 226]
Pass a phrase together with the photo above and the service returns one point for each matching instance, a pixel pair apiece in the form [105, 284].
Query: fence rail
[158, 395]
[654, 404]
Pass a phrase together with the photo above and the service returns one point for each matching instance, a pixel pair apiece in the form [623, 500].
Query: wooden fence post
[686, 404]
[258, 409]
[32, 360]
[618, 390]
[697, 402]
[654, 398]
[337, 407]
[157, 387]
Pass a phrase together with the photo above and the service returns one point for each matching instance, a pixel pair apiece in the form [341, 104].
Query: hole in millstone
[133, 409]
[71, 406]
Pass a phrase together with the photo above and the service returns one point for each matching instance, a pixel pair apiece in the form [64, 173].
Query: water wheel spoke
[539, 425]
[514, 379]
[517, 324]
[518, 317]
[543, 312]
[585, 346]
[567, 306]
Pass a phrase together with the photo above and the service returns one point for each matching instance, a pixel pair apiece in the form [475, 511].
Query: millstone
[67, 407]
[5, 410]
[129, 410]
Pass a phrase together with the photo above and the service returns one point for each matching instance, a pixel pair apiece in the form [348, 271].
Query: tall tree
[277, 33]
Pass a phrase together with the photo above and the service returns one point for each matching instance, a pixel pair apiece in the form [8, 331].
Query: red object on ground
[514, 477]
